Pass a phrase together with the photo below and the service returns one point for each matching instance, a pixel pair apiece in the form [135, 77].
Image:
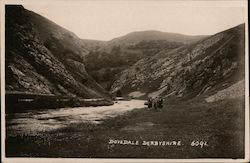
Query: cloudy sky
[104, 20]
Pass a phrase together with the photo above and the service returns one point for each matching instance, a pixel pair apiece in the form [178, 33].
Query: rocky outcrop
[189, 70]
[43, 58]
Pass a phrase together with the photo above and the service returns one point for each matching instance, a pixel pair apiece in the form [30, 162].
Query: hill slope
[118, 54]
[44, 58]
[192, 69]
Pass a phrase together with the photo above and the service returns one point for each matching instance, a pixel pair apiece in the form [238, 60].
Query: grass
[220, 124]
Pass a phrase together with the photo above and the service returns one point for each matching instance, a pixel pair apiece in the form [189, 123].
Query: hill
[210, 64]
[44, 58]
[118, 54]
[136, 37]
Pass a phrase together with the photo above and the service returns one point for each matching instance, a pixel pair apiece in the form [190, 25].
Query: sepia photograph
[155, 80]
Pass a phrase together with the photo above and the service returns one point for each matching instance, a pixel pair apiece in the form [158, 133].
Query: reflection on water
[39, 121]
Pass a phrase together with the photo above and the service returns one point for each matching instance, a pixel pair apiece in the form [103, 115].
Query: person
[160, 103]
[155, 101]
[150, 102]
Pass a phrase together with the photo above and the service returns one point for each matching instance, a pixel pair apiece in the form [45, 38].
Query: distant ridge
[135, 37]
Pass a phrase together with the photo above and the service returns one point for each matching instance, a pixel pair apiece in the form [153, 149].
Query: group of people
[155, 103]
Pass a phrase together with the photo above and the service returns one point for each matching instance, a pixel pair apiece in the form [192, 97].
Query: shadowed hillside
[44, 58]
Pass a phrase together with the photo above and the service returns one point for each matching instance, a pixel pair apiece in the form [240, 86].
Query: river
[34, 121]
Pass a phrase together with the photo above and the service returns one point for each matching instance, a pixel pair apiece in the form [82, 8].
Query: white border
[247, 143]
[222, 3]
[2, 23]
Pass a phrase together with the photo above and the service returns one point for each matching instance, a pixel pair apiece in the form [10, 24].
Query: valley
[67, 96]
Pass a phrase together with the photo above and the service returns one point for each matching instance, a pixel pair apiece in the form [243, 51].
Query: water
[39, 121]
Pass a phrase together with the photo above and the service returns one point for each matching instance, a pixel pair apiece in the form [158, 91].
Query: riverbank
[36, 121]
[219, 125]
[20, 102]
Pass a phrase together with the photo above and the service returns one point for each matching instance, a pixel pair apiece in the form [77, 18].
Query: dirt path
[39, 121]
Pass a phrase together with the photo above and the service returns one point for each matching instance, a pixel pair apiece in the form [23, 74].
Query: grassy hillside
[189, 70]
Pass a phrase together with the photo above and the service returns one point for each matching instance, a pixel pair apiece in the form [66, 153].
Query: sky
[108, 19]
